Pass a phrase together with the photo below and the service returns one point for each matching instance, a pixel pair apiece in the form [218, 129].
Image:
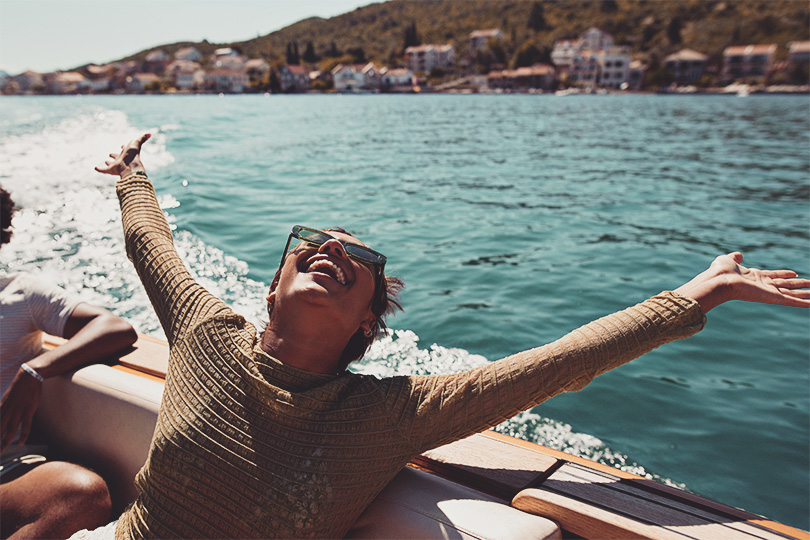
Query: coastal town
[591, 63]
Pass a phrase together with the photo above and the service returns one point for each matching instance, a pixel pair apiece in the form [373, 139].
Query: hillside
[652, 28]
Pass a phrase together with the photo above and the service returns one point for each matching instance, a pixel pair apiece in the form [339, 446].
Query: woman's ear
[367, 325]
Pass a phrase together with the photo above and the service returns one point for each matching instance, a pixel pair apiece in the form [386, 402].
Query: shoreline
[741, 91]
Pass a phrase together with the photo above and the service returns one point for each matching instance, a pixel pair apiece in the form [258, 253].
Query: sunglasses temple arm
[284, 253]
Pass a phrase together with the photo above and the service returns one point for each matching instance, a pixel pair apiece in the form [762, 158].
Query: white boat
[488, 486]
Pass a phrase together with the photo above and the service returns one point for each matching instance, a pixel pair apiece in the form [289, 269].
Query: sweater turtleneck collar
[287, 377]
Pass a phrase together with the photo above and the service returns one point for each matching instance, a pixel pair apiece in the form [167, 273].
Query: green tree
[674, 31]
[274, 83]
[292, 57]
[411, 37]
[608, 6]
[333, 51]
[321, 85]
[309, 54]
[537, 18]
[497, 50]
[358, 54]
[527, 55]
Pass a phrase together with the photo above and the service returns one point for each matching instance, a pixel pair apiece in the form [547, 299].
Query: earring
[368, 333]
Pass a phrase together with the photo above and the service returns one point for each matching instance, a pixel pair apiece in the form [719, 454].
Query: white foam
[67, 228]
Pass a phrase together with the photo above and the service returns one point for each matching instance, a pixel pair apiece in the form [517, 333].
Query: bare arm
[727, 279]
[92, 333]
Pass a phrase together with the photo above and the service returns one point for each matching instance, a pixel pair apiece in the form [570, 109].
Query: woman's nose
[333, 246]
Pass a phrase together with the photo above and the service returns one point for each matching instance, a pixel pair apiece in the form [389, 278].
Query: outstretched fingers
[794, 283]
[792, 291]
[127, 160]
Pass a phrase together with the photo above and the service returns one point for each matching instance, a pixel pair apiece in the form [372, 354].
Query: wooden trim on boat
[138, 372]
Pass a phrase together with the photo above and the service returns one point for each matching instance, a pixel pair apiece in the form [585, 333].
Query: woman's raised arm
[178, 299]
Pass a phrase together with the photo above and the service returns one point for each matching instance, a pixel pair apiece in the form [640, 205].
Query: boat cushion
[417, 504]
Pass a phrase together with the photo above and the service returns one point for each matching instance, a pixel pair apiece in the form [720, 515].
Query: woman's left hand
[128, 160]
[18, 406]
[727, 279]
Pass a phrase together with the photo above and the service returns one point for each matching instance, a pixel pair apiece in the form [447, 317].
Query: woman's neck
[309, 349]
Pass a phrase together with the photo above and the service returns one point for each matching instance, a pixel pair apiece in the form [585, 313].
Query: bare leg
[53, 500]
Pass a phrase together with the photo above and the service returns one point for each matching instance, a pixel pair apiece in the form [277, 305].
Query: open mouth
[325, 266]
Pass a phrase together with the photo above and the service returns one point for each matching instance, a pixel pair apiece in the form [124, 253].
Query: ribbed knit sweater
[248, 447]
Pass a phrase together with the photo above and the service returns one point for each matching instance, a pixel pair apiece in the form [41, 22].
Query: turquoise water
[512, 220]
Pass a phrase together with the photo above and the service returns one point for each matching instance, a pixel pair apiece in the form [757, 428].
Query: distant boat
[741, 90]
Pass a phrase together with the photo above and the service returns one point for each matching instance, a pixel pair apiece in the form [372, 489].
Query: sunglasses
[318, 238]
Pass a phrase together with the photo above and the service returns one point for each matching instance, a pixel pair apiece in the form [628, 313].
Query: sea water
[512, 220]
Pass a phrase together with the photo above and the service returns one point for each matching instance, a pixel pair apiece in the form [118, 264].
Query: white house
[225, 51]
[398, 77]
[188, 54]
[294, 78]
[798, 52]
[66, 82]
[584, 69]
[564, 51]
[226, 80]
[614, 66]
[140, 82]
[355, 77]
[157, 61]
[423, 58]
[479, 38]
[686, 66]
[187, 75]
[595, 40]
[747, 62]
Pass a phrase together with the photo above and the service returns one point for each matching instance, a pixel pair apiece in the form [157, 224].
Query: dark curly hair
[384, 303]
[6, 213]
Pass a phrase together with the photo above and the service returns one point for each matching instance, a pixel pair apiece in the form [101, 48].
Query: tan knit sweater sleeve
[178, 299]
[435, 410]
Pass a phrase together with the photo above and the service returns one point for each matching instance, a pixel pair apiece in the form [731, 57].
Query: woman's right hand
[727, 279]
[127, 161]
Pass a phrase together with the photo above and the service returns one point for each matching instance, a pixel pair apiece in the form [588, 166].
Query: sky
[50, 35]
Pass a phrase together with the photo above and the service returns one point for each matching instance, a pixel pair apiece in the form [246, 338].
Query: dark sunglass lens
[363, 254]
[315, 237]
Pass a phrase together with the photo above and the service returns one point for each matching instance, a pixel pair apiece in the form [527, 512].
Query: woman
[272, 437]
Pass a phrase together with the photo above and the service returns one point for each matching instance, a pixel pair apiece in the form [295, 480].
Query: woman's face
[337, 288]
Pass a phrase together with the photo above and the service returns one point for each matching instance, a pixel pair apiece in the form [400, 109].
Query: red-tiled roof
[146, 77]
[493, 32]
[799, 46]
[746, 50]
[298, 69]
